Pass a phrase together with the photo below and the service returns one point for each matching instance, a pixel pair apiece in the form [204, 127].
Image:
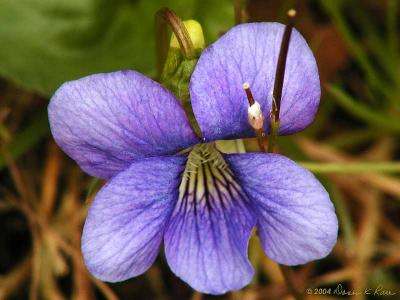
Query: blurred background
[352, 146]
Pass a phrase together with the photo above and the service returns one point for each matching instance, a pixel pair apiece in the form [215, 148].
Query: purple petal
[207, 238]
[249, 53]
[126, 222]
[104, 121]
[296, 219]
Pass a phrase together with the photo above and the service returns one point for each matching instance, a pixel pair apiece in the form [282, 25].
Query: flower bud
[195, 33]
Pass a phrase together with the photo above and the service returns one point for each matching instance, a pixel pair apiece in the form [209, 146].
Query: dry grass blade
[318, 151]
[50, 177]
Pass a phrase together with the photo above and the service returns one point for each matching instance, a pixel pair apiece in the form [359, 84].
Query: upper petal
[249, 53]
[207, 237]
[296, 219]
[104, 121]
[125, 225]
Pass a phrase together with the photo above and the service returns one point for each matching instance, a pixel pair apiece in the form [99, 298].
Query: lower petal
[126, 222]
[207, 238]
[296, 219]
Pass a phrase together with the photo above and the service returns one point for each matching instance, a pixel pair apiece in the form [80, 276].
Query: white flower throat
[207, 181]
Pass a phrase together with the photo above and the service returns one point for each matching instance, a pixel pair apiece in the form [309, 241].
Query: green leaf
[45, 42]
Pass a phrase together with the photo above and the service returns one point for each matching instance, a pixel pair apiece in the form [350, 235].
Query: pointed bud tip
[255, 110]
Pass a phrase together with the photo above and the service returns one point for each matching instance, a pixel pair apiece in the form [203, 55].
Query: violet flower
[168, 185]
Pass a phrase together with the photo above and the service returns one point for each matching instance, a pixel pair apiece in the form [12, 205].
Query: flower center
[207, 180]
[204, 154]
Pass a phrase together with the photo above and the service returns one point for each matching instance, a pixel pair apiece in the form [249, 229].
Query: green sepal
[176, 77]
[177, 72]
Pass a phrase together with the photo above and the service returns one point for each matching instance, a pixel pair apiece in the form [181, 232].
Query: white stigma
[255, 116]
[254, 111]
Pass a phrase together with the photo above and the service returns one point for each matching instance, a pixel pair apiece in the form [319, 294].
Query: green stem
[353, 167]
[273, 136]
